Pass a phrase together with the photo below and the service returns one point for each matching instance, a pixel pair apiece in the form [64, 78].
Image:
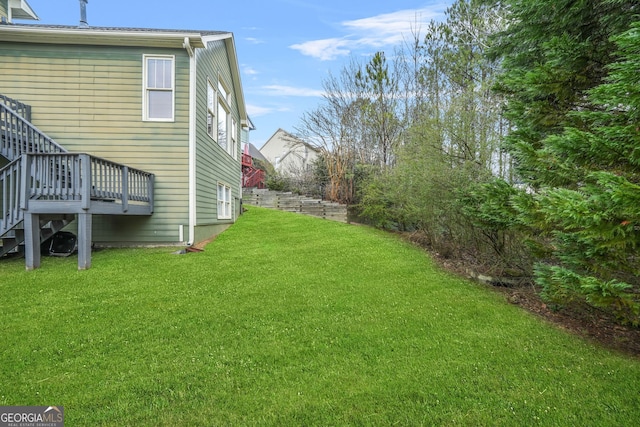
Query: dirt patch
[585, 321]
[199, 246]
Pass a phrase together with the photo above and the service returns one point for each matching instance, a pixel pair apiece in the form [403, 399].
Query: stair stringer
[13, 241]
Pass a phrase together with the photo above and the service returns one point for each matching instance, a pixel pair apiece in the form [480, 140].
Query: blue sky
[285, 47]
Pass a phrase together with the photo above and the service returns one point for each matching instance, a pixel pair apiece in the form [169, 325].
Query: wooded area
[507, 135]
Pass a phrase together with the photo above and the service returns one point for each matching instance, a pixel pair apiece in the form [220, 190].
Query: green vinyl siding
[213, 164]
[89, 99]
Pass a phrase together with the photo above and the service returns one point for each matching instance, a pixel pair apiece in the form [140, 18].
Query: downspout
[192, 140]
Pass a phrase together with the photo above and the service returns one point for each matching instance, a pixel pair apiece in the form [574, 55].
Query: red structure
[252, 176]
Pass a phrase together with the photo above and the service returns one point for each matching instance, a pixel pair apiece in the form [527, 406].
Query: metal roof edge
[101, 35]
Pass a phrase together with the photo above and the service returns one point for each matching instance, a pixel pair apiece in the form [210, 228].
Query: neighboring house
[165, 105]
[289, 154]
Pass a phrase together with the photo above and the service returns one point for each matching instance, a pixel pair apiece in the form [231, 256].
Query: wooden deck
[43, 180]
[251, 175]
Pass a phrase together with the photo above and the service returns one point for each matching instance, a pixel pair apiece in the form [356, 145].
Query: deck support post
[32, 240]
[84, 240]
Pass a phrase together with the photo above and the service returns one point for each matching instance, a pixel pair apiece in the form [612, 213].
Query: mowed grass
[292, 320]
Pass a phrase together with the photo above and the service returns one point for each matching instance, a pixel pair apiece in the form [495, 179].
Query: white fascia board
[217, 37]
[37, 34]
[20, 9]
[235, 69]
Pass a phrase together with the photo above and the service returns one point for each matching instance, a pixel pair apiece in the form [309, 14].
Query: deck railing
[19, 107]
[19, 136]
[251, 175]
[11, 197]
[72, 179]
[113, 181]
[82, 177]
[253, 178]
[247, 160]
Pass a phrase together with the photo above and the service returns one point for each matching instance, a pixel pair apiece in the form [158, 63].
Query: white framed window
[227, 125]
[224, 93]
[234, 138]
[211, 110]
[224, 201]
[159, 88]
[223, 122]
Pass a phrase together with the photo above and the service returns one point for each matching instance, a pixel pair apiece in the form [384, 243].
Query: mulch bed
[585, 321]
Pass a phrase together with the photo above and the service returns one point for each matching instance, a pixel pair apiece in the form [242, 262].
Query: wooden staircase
[252, 176]
[43, 187]
[13, 240]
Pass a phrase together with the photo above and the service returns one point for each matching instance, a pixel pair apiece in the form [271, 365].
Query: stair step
[13, 240]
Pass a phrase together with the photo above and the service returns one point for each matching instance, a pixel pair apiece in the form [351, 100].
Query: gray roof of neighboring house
[256, 154]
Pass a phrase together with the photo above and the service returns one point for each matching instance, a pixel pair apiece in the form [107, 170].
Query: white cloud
[254, 40]
[281, 90]
[324, 50]
[387, 29]
[390, 25]
[257, 111]
[250, 71]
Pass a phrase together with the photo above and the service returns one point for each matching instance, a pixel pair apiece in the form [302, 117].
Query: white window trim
[227, 111]
[233, 143]
[222, 89]
[232, 126]
[226, 203]
[214, 130]
[223, 99]
[145, 106]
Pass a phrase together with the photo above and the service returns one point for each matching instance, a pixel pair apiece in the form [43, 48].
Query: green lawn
[293, 320]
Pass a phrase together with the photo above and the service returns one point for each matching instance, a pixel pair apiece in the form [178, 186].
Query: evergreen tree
[554, 52]
[573, 99]
[596, 225]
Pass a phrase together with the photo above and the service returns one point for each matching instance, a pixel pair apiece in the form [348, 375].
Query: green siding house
[165, 106]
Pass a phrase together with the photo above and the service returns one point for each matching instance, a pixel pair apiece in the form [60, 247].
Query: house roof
[235, 71]
[110, 36]
[286, 136]
[124, 36]
[255, 153]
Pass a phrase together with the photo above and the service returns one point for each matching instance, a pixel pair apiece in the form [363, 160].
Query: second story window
[224, 93]
[159, 80]
[211, 111]
[233, 145]
[223, 132]
[221, 124]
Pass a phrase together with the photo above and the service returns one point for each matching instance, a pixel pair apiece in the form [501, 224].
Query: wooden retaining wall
[290, 202]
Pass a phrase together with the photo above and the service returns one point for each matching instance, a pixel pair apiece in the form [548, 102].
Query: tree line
[507, 135]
